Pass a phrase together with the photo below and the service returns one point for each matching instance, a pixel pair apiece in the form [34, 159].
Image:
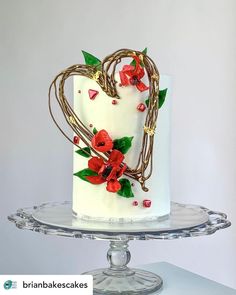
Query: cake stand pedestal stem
[119, 278]
[118, 256]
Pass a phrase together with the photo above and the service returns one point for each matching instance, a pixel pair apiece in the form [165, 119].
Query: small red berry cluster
[93, 93]
[146, 203]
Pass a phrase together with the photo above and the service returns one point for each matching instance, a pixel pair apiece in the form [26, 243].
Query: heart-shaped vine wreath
[104, 75]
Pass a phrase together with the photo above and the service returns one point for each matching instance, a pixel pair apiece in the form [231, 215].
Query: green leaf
[91, 59]
[126, 189]
[162, 97]
[133, 63]
[144, 50]
[85, 152]
[95, 130]
[123, 144]
[147, 102]
[85, 172]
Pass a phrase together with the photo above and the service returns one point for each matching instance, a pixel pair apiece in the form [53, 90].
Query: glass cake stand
[184, 221]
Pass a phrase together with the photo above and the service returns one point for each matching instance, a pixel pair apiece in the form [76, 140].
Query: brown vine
[105, 77]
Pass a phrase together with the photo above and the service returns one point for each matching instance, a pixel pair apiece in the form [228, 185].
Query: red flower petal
[95, 164]
[128, 69]
[95, 179]
[116, 158]
[142, 87]
[140, 73]
[137, 66]
[113, 186]
[102, 141]
[121, 171]
[112, 175]
[123, 79]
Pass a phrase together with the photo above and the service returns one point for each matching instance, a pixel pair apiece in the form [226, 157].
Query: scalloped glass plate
[181, 217]
[56, 219]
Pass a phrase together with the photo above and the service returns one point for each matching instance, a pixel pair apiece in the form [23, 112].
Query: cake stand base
[119, 279]
[134, 281]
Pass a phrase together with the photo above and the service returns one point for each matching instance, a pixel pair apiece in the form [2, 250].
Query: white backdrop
[194, 42]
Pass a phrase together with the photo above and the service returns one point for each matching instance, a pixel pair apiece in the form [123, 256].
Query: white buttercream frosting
[119, 120]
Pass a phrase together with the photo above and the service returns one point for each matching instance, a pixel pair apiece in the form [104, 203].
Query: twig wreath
[104, 75]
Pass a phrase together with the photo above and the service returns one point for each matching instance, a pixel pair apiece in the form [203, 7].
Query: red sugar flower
[108, 171]
[102, 141]
[132, 75]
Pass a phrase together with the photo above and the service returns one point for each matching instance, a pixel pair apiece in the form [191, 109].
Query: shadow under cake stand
[184, 221]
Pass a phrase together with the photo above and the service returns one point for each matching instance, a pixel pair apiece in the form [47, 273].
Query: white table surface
[178, 281]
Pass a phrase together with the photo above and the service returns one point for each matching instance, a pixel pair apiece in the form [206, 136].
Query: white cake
[122, 119]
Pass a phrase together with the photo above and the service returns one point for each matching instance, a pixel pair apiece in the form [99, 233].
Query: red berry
[135, 203]
[147, 203]
[141, 107]
[114, 101]
[76, 139]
